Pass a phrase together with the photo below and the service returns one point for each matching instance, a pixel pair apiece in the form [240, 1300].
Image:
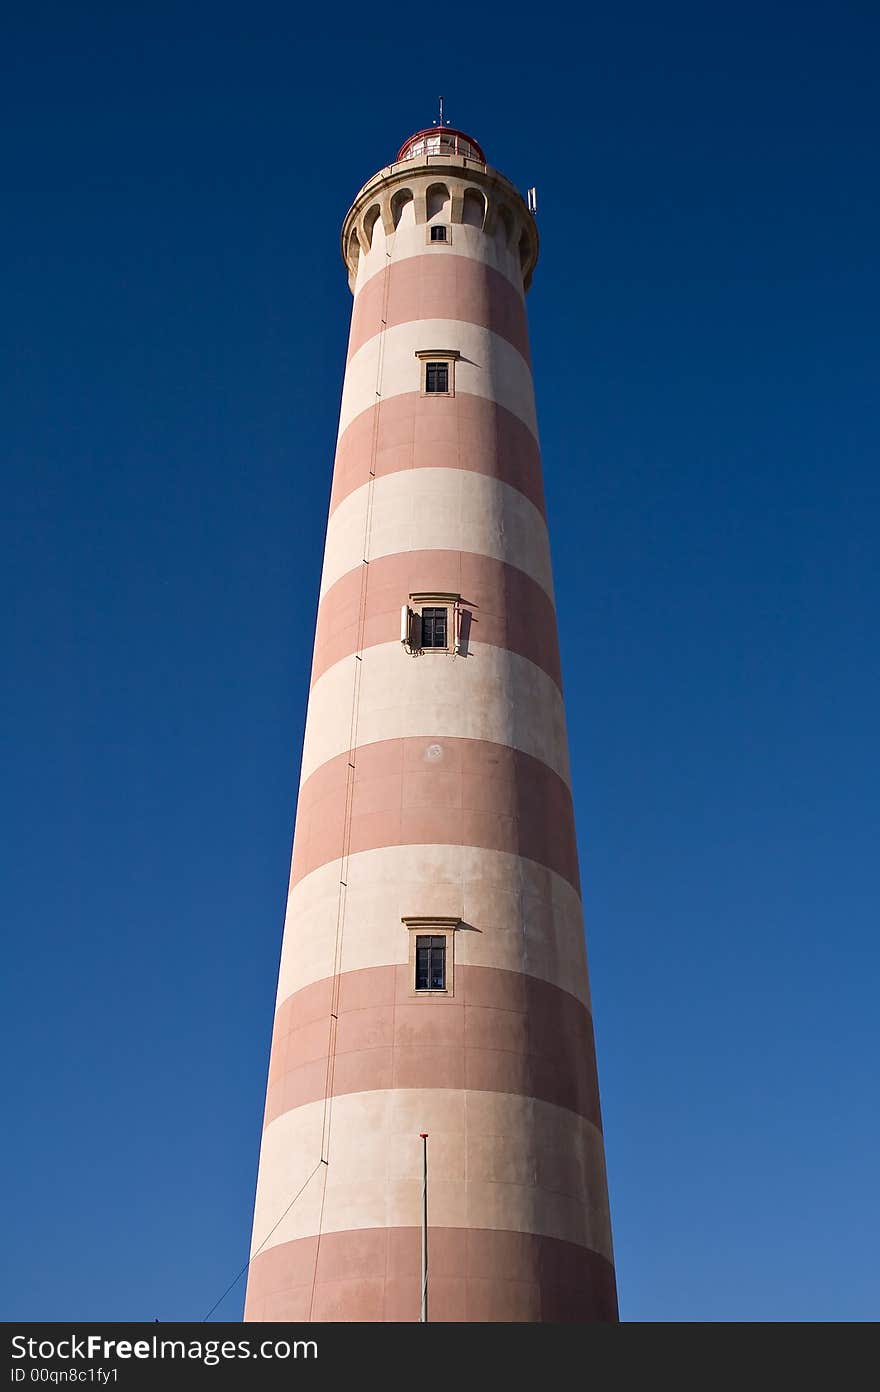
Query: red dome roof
[441, 140]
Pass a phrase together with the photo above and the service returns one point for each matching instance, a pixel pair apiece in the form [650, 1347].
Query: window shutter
[456, 619]
[410, 628]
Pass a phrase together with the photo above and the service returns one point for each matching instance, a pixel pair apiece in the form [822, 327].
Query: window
[434, 627]
[438, 233]
[431, 944]
[431, 623]
[438, 370]
[437, 377]
[431, 963]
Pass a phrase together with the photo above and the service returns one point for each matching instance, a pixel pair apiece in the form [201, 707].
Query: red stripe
[439, 285]
[506, 607]
[412, 431]
[501, 1031]
[476, 1275]
[428, 791]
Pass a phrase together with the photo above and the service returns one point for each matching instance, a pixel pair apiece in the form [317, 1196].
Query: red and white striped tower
[433, 976]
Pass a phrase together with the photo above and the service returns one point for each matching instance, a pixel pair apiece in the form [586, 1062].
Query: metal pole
[423, 1318]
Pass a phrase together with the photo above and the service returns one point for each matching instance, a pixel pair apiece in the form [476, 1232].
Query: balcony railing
[443, 143]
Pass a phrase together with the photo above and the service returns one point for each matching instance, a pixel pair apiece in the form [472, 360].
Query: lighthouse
[433, 1004]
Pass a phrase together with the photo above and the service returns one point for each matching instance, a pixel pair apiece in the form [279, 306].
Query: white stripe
[468, 242]
[489, 366]
[524, 917]
[437, 510]
[498, 1161]
[488, 694]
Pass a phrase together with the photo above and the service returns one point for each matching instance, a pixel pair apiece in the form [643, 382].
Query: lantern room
[441, 140]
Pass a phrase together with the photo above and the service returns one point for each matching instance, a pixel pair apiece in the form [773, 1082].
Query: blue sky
[704, 329]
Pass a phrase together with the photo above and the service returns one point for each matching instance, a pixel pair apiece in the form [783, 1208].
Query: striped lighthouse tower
[433, 976]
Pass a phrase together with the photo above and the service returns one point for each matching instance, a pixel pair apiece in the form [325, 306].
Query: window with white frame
[435, 626]
[431, 623]
[430, 962]
[438, 371]
[431, 955]
[437, 378]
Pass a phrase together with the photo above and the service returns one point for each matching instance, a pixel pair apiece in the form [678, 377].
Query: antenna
[533, 201]
[440, 120]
